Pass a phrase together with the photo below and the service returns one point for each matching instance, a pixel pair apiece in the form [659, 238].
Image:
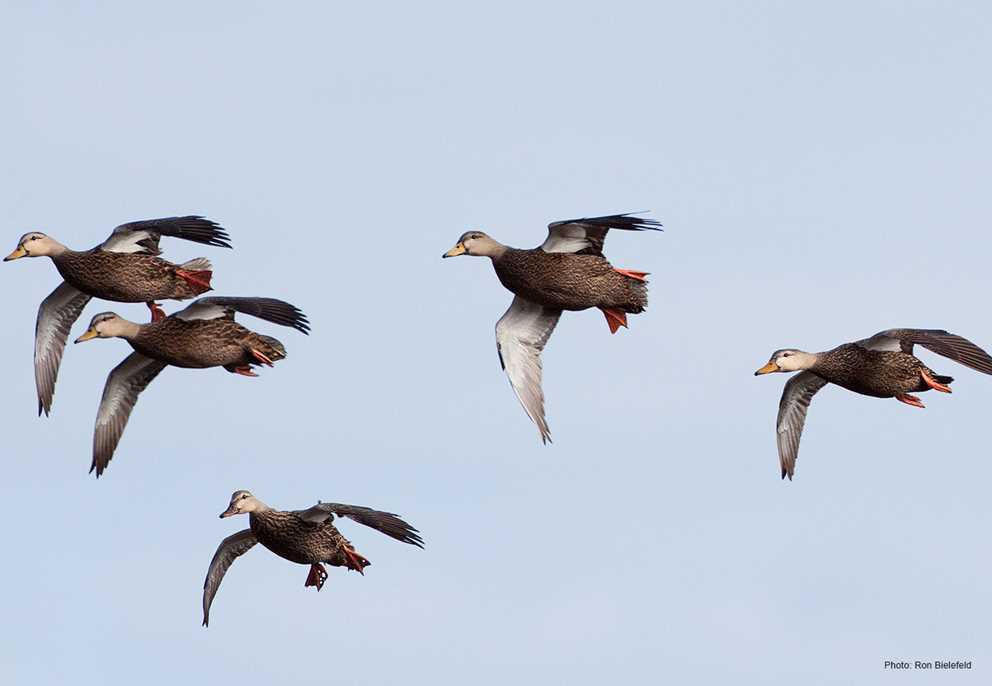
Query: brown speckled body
[123, 277]
[568, 281]
[201, 343]
[877, 373]
[292, 538]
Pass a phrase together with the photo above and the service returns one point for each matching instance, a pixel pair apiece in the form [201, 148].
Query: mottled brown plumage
[878, 373]
[306, 537]
[127, 277]
[567, 281]
[202, 343]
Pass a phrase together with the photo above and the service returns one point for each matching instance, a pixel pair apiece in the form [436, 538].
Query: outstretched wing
[56, 316]
[230, 549]
[586, 236]
[949, 345]
[125, 382]
[796, 396]
[386, 522]
[521, 334]
[269, 309]
[143, 236]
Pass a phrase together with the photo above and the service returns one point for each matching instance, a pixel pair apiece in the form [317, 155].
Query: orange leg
[355, 561]
[158, 314]
[244, 371]
[261, 357]
[198, 279]
[910, 400]
[615, 318]
[632, 274]
[929, 380]
[317, 576]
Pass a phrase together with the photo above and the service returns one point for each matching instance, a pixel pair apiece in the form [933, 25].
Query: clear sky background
[822, 172]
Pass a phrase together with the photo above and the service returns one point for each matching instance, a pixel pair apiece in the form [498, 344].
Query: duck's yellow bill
[455, 251]
[16, 255]
[90, 333]
[767, 369]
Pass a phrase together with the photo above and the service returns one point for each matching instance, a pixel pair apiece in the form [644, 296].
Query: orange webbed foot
[640, 276]
[615, 318]
[261, 357]
[197, 279]
[933, 383]
[158, 314]
[355, 561]
[910, 400]
[244, 371]
[316, 577]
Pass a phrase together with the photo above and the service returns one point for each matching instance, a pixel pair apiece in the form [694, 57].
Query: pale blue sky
[822, 173]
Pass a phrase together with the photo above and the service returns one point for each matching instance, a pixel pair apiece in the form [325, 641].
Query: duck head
[35, 244]
[477, 244]
[787, 360]
[108, 325]
[243, 502]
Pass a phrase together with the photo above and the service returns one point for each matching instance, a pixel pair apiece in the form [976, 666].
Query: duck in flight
[882, 366]
[124, 268]
[306, 537]
[202, 335]
[567, 272]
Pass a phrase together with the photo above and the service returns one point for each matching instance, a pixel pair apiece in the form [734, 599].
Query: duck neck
[809, 361]
[127, 330]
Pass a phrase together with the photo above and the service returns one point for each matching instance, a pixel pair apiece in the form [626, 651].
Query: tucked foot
[910, 400]
[355, 561]
[317, 576]
[933, 383]
[632, 274]
[199, 280]
[261, 357]
[615, 318]
[244, 371]
[158, 314]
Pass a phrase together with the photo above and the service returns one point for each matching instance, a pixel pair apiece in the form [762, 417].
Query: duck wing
[586, 236]
[269, 309]
[946, 344]
[385, 522]
[143, 236]
[57, 314]
[230, 549]
[125, 382]
[521, 334]
[796, 396]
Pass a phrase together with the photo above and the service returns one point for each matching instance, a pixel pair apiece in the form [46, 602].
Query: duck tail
[271, 348]
[944, 379]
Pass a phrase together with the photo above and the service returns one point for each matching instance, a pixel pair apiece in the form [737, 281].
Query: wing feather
[946, 344]
[521, 334]
[143, 236]
[587, 235]
[125, 382]
[796, 397]
[269, 309]
[230, 549]
[385, 522]
[56, 316]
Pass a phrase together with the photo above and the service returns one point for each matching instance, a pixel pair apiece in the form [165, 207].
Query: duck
[882, 366]
[567, 272]
[202, 335]
[306, 537]
[124, 268]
